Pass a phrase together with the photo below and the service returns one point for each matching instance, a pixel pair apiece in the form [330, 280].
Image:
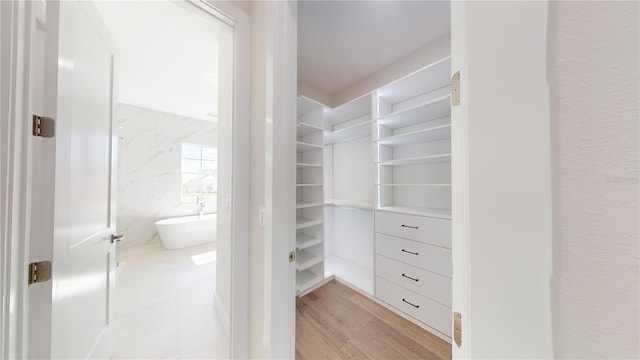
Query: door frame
[239, 313]
[15, 174]
[16, 151]
[501, 180]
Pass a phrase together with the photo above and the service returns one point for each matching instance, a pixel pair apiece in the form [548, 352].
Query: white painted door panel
[84, 219]
[501, 180]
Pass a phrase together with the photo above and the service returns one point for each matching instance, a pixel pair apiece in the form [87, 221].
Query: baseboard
[326, 280]
[222, 313]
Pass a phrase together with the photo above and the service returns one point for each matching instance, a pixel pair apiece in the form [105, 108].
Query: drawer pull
[410, 227]
[410, 252]
[415, 306]
[409, 277]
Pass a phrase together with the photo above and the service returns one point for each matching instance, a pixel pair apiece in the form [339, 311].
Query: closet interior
[374, 196]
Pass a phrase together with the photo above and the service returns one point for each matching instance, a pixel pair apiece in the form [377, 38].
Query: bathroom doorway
[92, 329]
[174, 126]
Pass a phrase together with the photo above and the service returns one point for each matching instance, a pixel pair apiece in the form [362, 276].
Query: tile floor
[164, 305]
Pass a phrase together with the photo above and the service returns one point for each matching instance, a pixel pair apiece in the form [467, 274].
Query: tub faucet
[200, 205]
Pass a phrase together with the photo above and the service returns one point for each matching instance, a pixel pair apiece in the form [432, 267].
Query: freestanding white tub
[181, 232]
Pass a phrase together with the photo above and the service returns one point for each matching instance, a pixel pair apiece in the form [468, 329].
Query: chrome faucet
[200, 204]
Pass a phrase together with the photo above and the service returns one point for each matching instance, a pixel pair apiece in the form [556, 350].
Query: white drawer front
[425, 283]
[419, 307]
[424, 256]
[419, 228]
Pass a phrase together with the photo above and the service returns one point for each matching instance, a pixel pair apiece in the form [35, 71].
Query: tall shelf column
[413, 266]
[309, 195]
[349, 195]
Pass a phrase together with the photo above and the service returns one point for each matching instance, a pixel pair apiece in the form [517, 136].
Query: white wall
[273, 114]
[149, 169]
[416, 60]
[594, 77]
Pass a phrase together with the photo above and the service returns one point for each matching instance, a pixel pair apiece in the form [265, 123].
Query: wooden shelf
[414, 185]
[305, 260]
[429, 78]
[309, 205]
[417, 160]
[304, 147]
[306, 279]
[304, 241]
[436, 213]
[431, 110]
[306, 129]
[432, 134]
[306, 105]
[348, 111]
[304, 205]
[350, 133]
[305, 165]
[303, 222]
[349, 204]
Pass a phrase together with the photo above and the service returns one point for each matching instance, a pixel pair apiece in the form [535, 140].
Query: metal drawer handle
[415, 306]
[410, 227]
[409, 277]
[410, 252]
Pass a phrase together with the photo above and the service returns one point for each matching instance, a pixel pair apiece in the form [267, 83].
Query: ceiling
[168, 56]
[342, 42]
[169, 60]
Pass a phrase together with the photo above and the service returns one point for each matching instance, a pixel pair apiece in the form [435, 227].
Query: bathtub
[181, 232]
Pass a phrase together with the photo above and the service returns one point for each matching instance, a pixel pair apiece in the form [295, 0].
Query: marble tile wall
[149, 179]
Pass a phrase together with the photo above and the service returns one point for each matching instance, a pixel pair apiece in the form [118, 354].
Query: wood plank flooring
[336, 322]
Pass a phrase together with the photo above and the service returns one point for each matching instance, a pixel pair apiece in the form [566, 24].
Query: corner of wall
[428, 54]
[307, 90]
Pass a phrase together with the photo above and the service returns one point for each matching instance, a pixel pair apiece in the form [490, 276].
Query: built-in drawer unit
[425, 229]
[419, 307]
[428, 257]
[423, 282]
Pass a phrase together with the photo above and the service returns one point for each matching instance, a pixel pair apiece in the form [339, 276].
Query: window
[199, 172]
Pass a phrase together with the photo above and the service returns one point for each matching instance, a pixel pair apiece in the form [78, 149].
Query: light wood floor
[336, 322]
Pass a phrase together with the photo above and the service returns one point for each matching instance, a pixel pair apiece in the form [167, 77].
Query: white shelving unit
[374, 195]
[309, 195]
[413, 191]
[413, 138]
[349, 152]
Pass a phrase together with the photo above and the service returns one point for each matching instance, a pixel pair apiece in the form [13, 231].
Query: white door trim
[239, 327]
[460, 181]
[15, 176]
[15, 140]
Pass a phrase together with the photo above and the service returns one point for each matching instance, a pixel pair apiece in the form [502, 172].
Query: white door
[501, 180]
[79, 95]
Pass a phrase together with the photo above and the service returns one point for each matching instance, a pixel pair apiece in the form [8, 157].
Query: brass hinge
[455, 89]
[39, 272]
[457, 328]
[43, 126]
[292, 256]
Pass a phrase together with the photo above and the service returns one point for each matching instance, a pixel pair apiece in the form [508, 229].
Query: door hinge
[455, 89]
[39, 272]
[292, 256]
[43, 126]
[457, 328]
